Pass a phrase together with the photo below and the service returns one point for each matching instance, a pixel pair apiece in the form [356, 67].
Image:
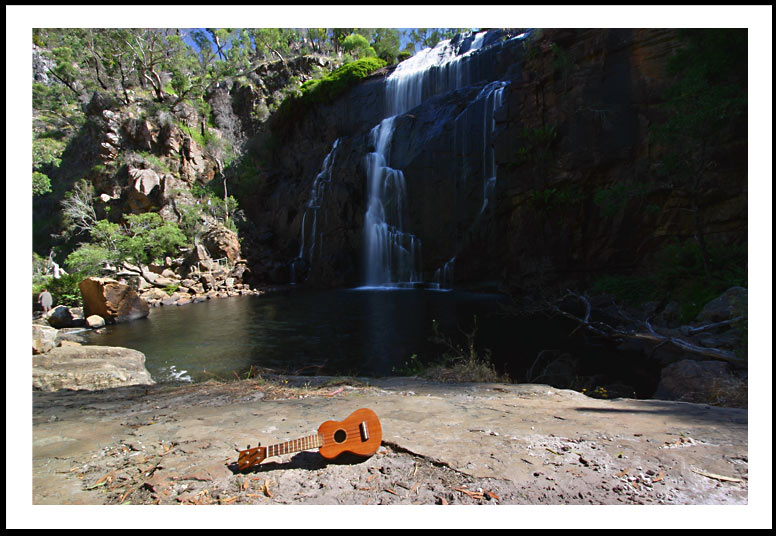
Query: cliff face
[541, 168]
[596, 204]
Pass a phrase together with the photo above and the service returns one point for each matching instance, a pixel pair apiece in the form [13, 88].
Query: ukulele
[360, 433]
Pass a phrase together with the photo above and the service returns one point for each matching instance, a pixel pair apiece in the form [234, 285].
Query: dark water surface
[364, 332]
[340, 332]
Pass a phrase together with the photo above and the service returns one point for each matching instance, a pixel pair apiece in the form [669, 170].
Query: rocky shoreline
[122, 439]
[698, 360]
[467, 444]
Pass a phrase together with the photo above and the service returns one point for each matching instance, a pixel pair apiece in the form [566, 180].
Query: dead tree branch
[651, 335]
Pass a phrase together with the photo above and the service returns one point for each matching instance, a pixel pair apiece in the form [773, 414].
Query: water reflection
[356, 332]
[363, 332]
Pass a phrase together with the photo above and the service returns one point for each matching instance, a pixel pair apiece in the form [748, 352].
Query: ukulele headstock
[250, 457]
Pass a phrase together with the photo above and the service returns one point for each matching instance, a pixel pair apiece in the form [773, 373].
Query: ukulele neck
[295, 445]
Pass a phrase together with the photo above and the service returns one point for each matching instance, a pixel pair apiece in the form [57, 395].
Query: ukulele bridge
[364, 431]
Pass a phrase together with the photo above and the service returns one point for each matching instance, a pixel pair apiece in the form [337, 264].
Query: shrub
[326, 89]
[358, 46]
[333, 85]
[64, 290]
[462, 363]
[89, 259]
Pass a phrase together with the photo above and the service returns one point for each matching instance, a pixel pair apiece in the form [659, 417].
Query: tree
[46, 156]
[141, 239]
[78, 208]
[317, 38]
[386, 43]
[358, 46]
[150, 50]
[430, 37]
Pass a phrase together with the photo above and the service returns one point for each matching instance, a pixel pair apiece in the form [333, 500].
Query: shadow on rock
[311, 461]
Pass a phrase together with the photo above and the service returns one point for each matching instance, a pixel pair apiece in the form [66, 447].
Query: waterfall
[305, 258]
[430, 72]
[443, 277]
[392, 254]
[492, 95]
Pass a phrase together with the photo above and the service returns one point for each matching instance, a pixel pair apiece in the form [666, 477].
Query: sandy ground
[443, 444]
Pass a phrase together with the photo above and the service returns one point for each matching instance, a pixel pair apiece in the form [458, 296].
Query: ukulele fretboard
[295, 445]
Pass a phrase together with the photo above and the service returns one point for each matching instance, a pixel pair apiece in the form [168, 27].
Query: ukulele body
[360, 433]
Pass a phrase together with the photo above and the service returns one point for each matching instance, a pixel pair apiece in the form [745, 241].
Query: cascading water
[492, 98]
[393, 254]
[430, 72]
[443, 277]
[307, 248]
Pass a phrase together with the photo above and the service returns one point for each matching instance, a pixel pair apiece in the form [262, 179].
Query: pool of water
[359, 332]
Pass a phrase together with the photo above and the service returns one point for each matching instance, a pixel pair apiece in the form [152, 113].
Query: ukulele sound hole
[339, 436]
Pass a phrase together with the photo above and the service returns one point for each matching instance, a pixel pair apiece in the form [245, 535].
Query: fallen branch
[607, 331]
[692, 330]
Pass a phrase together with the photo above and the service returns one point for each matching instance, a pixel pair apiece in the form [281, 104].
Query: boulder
[222, 242]
[693, 381]
[154, 293]
[95, 321]
[44, 338]
[113, 301]
[145, 185]
[731, 304]
[89, 368]
[62, 316]
[159, 280]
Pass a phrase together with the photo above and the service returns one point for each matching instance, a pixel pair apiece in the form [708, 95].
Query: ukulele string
[349, 431]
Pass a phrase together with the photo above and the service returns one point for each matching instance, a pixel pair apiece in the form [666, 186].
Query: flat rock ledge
[88, 368]
[441, 444]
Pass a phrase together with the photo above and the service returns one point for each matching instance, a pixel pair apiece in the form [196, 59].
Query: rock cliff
[559, 188]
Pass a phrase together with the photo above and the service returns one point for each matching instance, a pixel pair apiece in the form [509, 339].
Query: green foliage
[47, 151]
[705, 109]
[148, 238]
[46, 157]
[404, 55]
[89, 259]
[193, 217]
[678, 275]
[629, 289]
[334, 84]
[202, 139]
[430, 37]
[41, 184]
[157, 163]
[64, 290]
[324, 90]
[386, 44]
[143, 238]
[171, 288]
[358, 47]
[709, 94]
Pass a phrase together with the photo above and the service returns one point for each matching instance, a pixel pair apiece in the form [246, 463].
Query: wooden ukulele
[360, 433]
